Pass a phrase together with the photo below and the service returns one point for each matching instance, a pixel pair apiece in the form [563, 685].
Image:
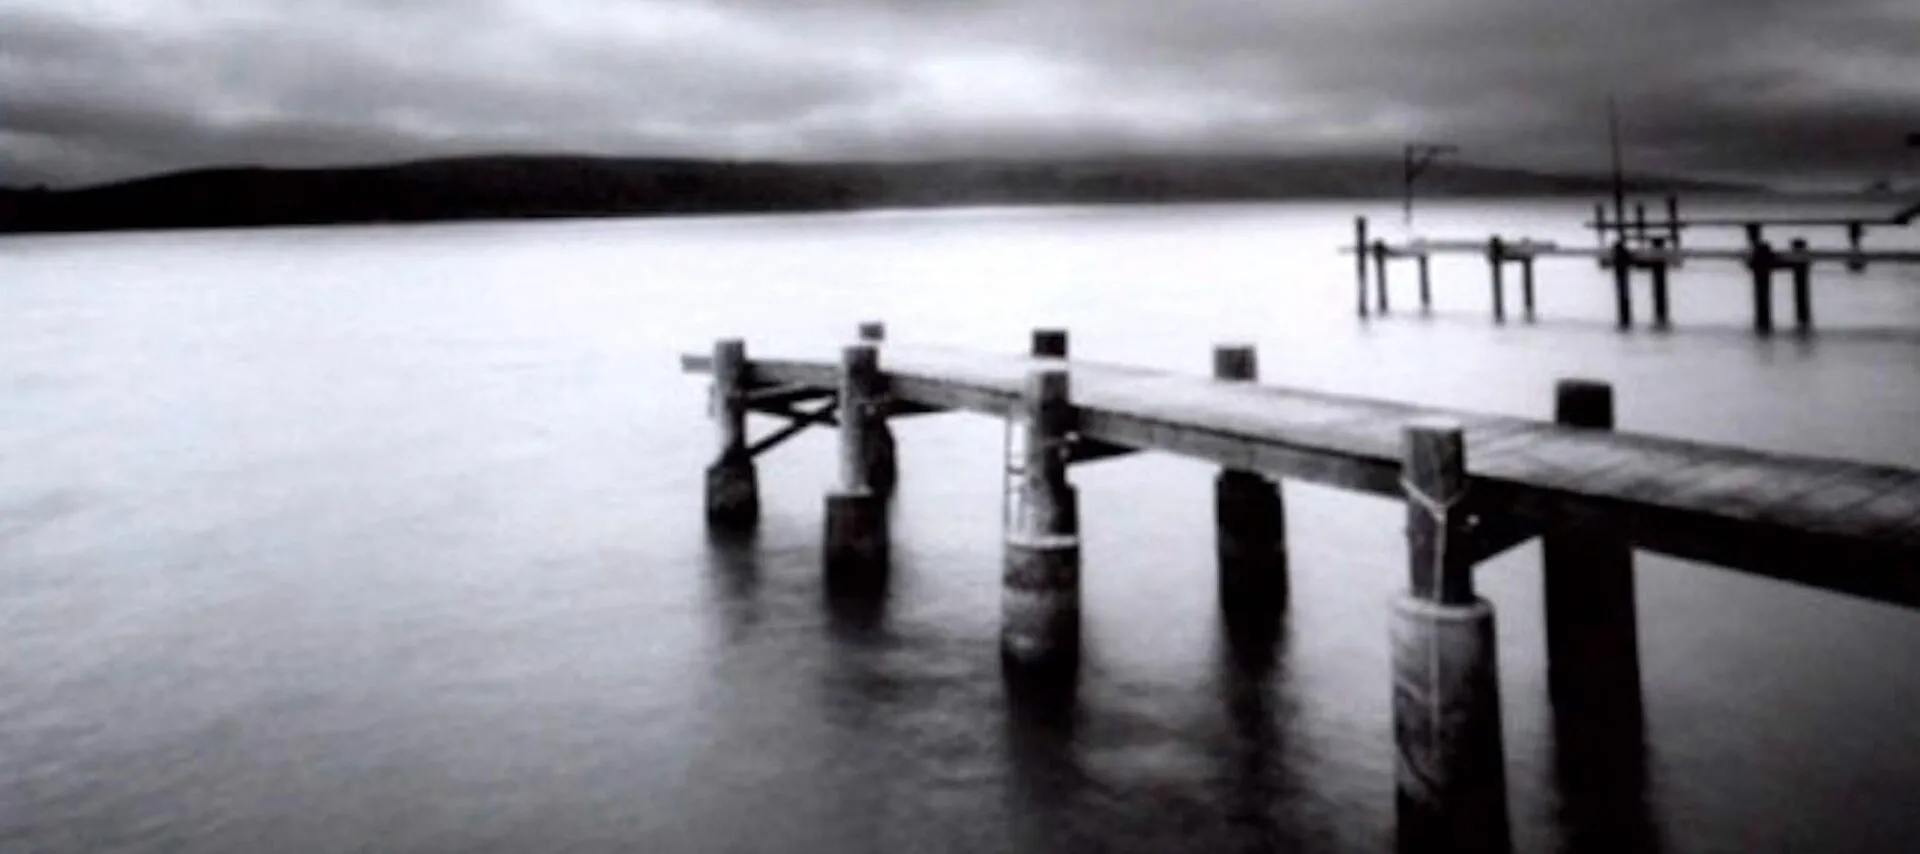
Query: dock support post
[856, 536]
[1640, 222]
[1526, 285]
[1049, 343]
[733, 486]
[1380, 275]
[1040, 582]
[1855, 231]
[1673, 220]
[1360, 260]
[1249, 520]
[1450, 768]
[886, 465]
[1497, 263]
[1659, 268]
[1622, 285]
[1593, 653]
[1802, 270]
[1761, 262]
[1426, 284]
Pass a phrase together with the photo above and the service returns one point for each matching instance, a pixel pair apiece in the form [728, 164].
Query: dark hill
[559, 186]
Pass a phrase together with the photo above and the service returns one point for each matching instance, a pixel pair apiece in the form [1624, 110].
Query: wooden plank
[784, 395]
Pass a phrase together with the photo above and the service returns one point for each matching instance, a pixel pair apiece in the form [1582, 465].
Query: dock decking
[1472, 485]
[1833, 524]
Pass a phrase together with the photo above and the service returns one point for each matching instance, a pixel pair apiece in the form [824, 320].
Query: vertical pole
[1640, 223]
[886, 468]
[1450, 768]
[1249, 520]
[1761, 261]
[1426, 284]
[856, 513]
[1040, 584]
[1855, 231]
[1802, 286]
[1753, 234]
[733, 487]
[1659, 269]
[1049, 343]
[1360, 260]
[1673, 220]
[1619, 174]
[1380, 275]
[1599, 226]
[1526, 285]
[1622, 285]
[1593, 653]
[1497, 264]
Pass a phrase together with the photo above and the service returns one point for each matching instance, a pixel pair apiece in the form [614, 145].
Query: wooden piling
[1658, 267]
[1753, 234]
[732, 485]
[856, 513]
[1761, 262]
[1450, 774]
[1040, 584]
[1360, 260]
[1526, 286]
[1855, 231]
[1673, 220]
[1380, 276]
[886, 471]
[1593, 657]
[1426, 284]
[1049, 343]
[1497, 264]
[1802, 270]
[1249, 520]
[1640, 223]
[1622, 285]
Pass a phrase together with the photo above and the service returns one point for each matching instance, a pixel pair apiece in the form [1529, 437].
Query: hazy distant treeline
[512, 187]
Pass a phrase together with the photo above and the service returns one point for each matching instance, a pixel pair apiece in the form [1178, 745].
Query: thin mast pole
[1619, 188]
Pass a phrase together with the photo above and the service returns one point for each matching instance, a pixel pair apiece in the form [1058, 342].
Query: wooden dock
[1833, 524]
[1473, 484]
[1656, 256]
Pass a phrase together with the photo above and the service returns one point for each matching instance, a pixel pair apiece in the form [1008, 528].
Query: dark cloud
[96, 89]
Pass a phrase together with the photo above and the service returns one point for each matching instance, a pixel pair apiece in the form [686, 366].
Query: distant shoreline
[541, 187]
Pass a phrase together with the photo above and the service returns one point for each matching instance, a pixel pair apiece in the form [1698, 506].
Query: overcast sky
[100, 89]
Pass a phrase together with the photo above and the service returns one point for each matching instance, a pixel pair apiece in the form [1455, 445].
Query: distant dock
[1652, 247]
[1474, 485]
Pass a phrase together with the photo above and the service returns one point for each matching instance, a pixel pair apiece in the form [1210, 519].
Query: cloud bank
[94, 90]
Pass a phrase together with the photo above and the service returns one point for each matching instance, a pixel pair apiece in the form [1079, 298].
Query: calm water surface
[388, 539]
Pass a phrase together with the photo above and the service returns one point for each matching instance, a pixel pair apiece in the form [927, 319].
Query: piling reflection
[1601, 769]
[1255, 779]
[1046, 774]
[733, 571]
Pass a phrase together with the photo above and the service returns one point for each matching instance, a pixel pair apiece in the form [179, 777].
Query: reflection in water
[733, 569]
[1601, 770]
[1251, 680]
[1047, 774]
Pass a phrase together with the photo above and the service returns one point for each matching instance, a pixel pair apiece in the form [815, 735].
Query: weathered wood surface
[1839, 525]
